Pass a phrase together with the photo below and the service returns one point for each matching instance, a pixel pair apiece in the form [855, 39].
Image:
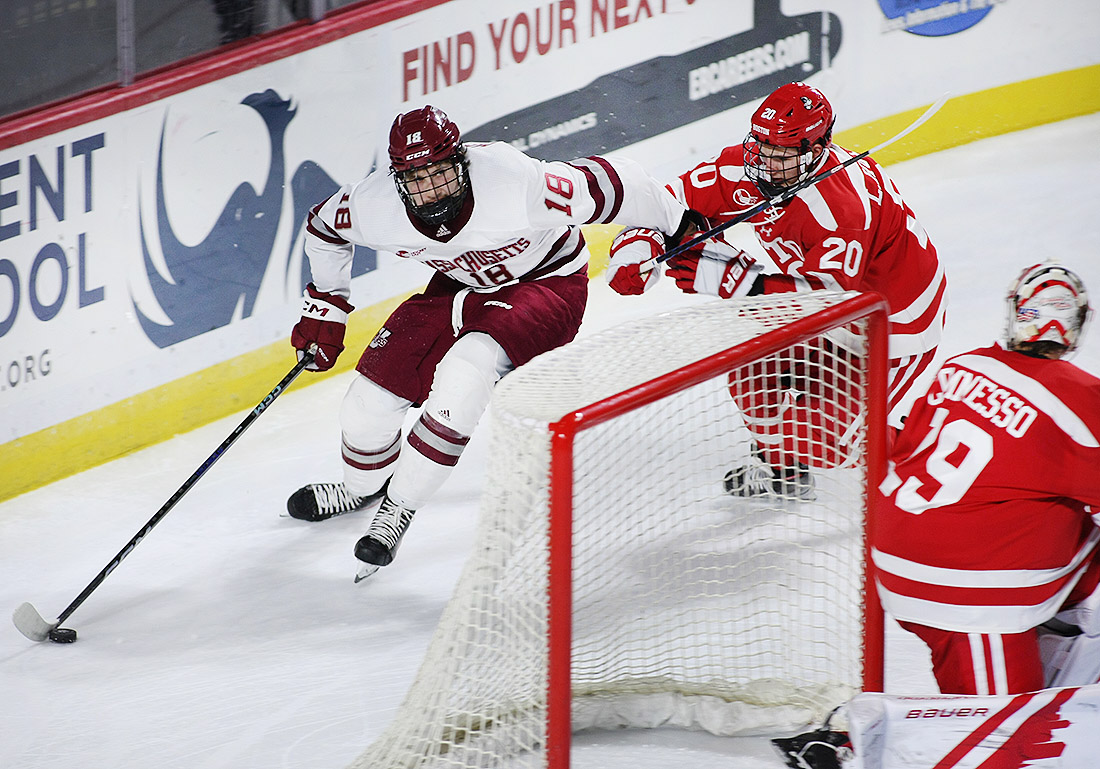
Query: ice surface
[235, 638]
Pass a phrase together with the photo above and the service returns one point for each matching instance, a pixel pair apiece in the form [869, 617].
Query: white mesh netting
[692, 607]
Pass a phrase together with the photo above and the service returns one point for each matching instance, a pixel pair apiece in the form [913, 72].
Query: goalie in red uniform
[850, 231]
[987, 526]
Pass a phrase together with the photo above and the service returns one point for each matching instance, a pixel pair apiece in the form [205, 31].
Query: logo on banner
[663, 93]
[934, 18]
[205, 286]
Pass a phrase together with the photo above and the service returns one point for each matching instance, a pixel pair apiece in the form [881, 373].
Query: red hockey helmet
[785, 128]
[428, 161]
[1046, 303]
[794, 115]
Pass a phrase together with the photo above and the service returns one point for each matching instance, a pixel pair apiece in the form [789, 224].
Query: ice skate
[761, 480]
[379, 545]
[321, 501]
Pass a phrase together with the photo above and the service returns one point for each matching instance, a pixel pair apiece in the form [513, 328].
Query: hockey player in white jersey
[502, 231]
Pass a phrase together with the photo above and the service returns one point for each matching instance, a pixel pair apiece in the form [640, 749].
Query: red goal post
[615, 583]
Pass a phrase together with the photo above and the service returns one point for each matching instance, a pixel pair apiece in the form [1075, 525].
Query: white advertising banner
[146, 245]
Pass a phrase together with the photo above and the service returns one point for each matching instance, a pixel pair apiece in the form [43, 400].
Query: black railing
[56, 49]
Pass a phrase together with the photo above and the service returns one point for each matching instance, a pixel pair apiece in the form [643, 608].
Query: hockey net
[616, 583]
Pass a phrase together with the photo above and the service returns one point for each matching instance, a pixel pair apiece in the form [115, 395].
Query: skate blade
[365, 570]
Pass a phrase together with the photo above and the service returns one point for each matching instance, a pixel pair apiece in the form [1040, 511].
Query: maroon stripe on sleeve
[316, 227]
[616, 185]
[335, 240]
[555, 260]
[595, 190]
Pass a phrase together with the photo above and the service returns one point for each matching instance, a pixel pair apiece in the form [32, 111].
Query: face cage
[441, 210]
[757, 171]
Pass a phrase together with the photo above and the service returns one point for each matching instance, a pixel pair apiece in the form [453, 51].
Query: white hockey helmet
[1046, 303]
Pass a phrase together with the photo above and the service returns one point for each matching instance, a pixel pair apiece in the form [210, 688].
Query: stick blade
[30, 623]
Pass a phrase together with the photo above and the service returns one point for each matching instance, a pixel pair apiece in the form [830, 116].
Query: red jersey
[989, 510]
[851, 231]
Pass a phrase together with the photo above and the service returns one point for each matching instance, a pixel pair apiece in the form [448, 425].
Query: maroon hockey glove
[726, 277]
[630, 251]
[324, 317]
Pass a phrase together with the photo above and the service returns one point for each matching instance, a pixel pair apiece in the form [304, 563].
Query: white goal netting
[692, 606]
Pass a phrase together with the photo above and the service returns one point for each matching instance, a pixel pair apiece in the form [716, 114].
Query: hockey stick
[27, 619]
[787, 194]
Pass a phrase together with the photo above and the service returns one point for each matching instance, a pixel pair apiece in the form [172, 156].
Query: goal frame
[868, 307]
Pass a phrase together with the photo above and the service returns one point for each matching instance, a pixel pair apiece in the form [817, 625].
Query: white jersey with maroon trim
[523, 224]
[851, 231]
[990, 506]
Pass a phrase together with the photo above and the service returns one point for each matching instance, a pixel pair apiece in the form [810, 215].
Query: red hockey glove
[631, 249]
[324, 317]
[726, 277]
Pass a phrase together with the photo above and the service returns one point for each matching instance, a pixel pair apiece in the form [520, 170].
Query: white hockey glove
[723, 271]
[631, 249]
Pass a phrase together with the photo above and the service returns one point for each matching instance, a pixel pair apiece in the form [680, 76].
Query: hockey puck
[62, 635]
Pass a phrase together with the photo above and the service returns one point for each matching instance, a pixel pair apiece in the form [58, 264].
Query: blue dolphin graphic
[309, 186]
[209, 281]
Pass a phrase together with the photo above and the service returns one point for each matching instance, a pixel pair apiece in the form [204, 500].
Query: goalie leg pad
[1027, 729]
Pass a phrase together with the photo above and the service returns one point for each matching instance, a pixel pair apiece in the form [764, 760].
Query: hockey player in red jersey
[987, 525]
[501, 230]
[850, 231]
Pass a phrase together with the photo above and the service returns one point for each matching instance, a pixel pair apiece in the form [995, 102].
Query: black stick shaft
[252, 417]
